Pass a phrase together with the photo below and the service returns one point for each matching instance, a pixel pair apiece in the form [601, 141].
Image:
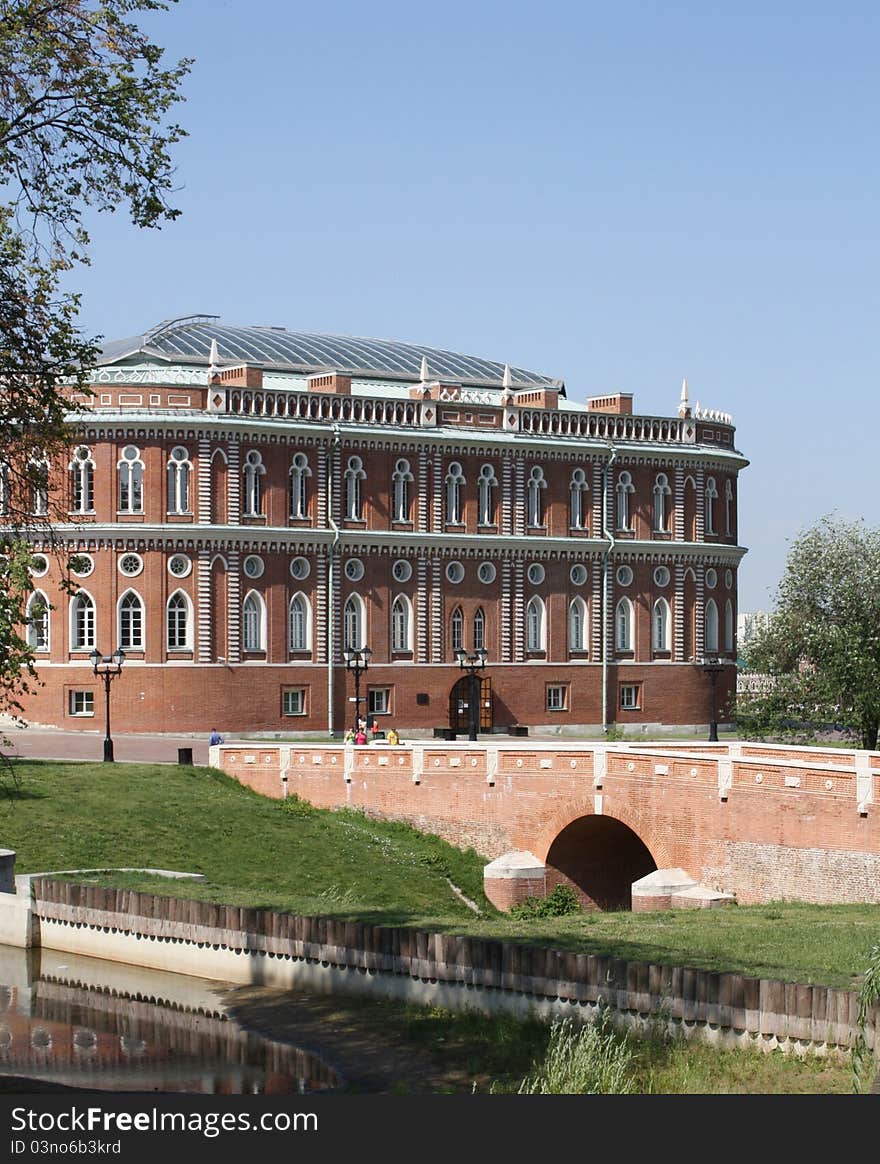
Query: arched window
[486, 485]
[660, 625]
[401, 624]
[38, 477]
[299, 475]
[254, 470]
[535, 625]
[253, 623]
[299, 623]
[82, 481]
[454, 482]
[661, 503]
[710, 636]
[401, 480]
[131, 621]
[130, 469]
[479, 629]
[37, 614]
[179, 472]
[535, 505]
[578, 627]
[623, 625]
[354, 475]
[711, 497]
[625, 489]
[728, 507]
[82, 622]
[354, 623]
[4, 488]
[728, 626]
[577, 496]
[178, 622]
[457, 629]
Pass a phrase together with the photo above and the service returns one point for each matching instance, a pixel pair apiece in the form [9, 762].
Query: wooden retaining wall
[766, 1012]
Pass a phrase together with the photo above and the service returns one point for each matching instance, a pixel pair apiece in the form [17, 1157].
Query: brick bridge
[625, 824]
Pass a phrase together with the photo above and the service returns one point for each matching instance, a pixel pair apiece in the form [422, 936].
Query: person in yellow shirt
[393, 737]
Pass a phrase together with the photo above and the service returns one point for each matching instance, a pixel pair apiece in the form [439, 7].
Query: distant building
[748, 624]
[245, 502]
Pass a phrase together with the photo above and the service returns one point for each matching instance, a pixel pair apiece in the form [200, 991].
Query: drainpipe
[606, 564]
[331, 581]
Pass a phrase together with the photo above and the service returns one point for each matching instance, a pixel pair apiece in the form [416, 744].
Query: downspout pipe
[331, 579]
[606, 588]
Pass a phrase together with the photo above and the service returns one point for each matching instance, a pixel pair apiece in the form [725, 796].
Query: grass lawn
[286, 855]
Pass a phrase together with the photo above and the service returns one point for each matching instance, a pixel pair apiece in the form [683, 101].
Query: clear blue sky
[620, 194]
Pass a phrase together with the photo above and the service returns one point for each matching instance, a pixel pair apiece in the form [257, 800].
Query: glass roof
[189, 339]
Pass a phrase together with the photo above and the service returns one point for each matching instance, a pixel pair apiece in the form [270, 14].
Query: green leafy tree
[84, 126]
[820, 651]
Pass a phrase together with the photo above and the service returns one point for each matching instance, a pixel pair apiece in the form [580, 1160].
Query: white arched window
[401, 479]
[131, 621]
[578, 627]
[179, 473]
[299, 475]
[354, 475]
[299, 623]
[401, 624]
[457, 629]
[479, 629]
[38, 479]
[623, 625]
[130, 470]
[82, 481]
[486, 485]
[728, 504]
[178, 622]
[535, 625]
[710, 636]
[354, 623]
[454, 483]
[253, 623]
[662, 493]
[660, 625]
[536, 484]
[577, 490]
[37, 615]
[625, 489]
[4, 487]
[254, 470]
[728, 626]
[711, 497]
[82, 622]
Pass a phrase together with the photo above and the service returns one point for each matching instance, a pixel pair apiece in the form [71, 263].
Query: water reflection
[84, 1023]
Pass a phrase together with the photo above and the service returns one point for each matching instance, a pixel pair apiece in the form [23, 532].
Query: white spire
[684, 391]
[423, 374]
[507, 382]
[684, 408]
[215, 360]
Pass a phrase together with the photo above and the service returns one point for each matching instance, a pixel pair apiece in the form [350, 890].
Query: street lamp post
[472, 662]
[107, 667]
[713, 666]
[357, 660]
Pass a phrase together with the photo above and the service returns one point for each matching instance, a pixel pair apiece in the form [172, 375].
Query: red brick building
[242, 503]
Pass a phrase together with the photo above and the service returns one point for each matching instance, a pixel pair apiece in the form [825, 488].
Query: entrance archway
[459, 705]
[600, 857]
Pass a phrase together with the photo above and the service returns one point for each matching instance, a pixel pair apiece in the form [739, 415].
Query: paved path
[45, 744]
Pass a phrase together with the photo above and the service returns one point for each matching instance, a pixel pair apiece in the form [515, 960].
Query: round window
[536, 573]
[253, 566]
[300, 568]
[578, 574]
[354, 569]
[661, 576]
[711, 579]
[81, 565]
[624, 575]
[455, 572]
[486, 572]
[402, 571]
[130, 564]
[179, 565]
[39, 565]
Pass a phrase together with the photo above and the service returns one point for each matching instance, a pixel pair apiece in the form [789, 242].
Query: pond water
[82, 1022]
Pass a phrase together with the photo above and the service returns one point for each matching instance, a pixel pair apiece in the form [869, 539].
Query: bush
[561, 901]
